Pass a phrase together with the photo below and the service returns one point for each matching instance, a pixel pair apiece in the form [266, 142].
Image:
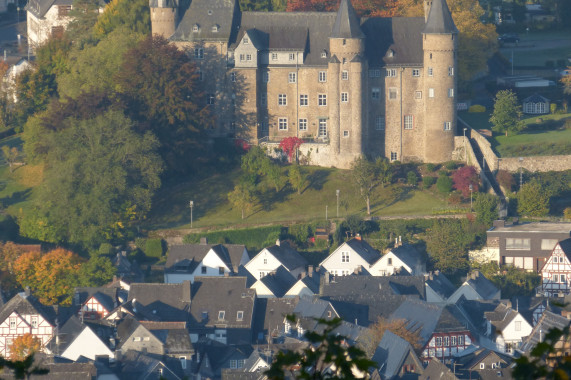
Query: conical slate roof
[439, 19]
[163, 4]
[347, 22]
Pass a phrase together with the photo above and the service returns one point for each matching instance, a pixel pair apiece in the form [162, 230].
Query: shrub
[154, 248]
[140, 243]
[553, 107]
[444, 184]
[450, 165]
[300, 232]
[476, 108]
[411, 178]
[253, 238]
[428, 181]
[430, 167]
[105, 249]
[465, 177]
[567, 213]
[455, 198]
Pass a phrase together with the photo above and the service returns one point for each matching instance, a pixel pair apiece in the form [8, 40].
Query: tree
[486, 207]
[275, 176]
[290, 145]
[11, 156]
[384, 171]
[532, 200]
[297, 178]
[447, 244]
[411, 178]
[242, 198]
[507, 113]
[101, 175]
[83, 15]
[366, 178]
[444, 184]
[566, 81]
[97, 271]
[465, 177]
[9, 253]
[133, 15]
[397, 326]
[24, 346]
[256, 161]
[327, 350]
[52, 277]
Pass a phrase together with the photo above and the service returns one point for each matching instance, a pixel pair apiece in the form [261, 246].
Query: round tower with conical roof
[346, 82]
[164, 14]
[440, 44]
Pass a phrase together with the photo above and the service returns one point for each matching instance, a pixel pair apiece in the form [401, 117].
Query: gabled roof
[186, 257]
[39, 8]
[408, 254]
[270, 315]
[27, 305]
[138, 365]
[437, 370]
[106, 296]
[166, 302]
[173, 335]
[206, 14]
[439, 19]
[368, 253]
[536, 98]
[73, 328]
[484, 287]
[310, 307]
[565, 246]
[346, 23]
[279, 282]
[286, 255]
[501, 317]
[312, 282]
[391, 353]
[422, 316]
[440, 284]
[219, 354]
[474, 359]
[547, 321]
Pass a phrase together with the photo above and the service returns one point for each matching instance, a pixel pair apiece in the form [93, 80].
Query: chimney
[475, 274]
[358, 236]
[186, 291]
[134, 303]
[327, 278]
[124, 253]
[310, 270]
[226, 274]
[400, 240]
[431, 276]
[203, 241]
[499, 223]
[103, 359]
[27, 291]
[356, 270]
[278, 243]
[437, 272]
[303, 274]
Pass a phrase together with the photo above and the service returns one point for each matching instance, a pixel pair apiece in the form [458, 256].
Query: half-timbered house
[556, 273]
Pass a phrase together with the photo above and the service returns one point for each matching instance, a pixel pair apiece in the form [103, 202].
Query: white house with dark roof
[47, 18]
[349, 257]
[438, 288]
[556, 272]
[510, 327]
[76, 338]
[269, 259]
[403, 258]
[307, 285]
[188, 261]
[536, 105]
[275, 284]
[476, 287]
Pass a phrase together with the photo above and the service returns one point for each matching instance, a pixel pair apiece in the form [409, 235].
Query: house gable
[388, 265]
[86, 344]
[343, 261]
[262, 264]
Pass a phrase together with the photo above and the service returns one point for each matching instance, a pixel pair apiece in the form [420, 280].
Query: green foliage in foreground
[253, 238]
[512, 281]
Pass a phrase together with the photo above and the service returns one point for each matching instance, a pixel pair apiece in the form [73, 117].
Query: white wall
[39, 30]
[334, 265]
[258, 266]
[299, 289]
[382, 267]
[86, 344]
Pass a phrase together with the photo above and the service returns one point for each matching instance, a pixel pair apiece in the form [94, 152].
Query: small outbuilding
[536, 105]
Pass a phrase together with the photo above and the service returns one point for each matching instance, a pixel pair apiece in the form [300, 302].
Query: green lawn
[14, 193]
[211, 207]
[538, 56]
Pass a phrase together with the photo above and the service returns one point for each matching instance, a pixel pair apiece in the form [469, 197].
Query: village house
[476, 287]
[402, 259]
[509, 327]
[270, 258]
[396, 358]
[350, 256]
[556, 272]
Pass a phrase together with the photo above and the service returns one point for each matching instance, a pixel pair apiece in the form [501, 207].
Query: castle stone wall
[536, 163]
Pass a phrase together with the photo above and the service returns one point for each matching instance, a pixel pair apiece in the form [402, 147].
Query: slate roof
[422, 316]
[484, 287]
[439, 19]
[279, 282]
[229, 294]
[368, 253]
[186, 257]
[501, 317]
[436, 370]
[75, 371]
[408, 254]
[73, 328]
[536, 98]
[126, 268]
[470, 362]
[312, 282]
[26, 305]
[390, 354]
[270, 315]
[565, 246]
[138, 365]
[547, 321]
[219, 354]
[106, 296]
[288, 256]
[126, 327]
[166, 302]
[440, 284]
[173, 335]
[206, 14]
[346, 23]
[39, 8]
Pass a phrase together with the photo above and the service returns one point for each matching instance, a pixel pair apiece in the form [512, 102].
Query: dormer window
[323, 54]
[215, 28]
[221, 315]
[195, 28]
[210, 12]
[246, 40]
[391, 53]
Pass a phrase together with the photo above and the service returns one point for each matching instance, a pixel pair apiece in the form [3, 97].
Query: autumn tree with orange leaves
[24, 346]
[51, 276]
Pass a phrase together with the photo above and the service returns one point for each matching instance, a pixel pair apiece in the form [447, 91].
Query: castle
[349, 86]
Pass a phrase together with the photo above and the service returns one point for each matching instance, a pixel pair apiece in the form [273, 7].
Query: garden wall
[536, 163]
[320, 154]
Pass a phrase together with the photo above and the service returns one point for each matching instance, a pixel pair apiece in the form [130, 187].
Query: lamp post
[337, 193]
[325, 212]
[191, 204]
[471, 189]
[465, 149]
[520, 172]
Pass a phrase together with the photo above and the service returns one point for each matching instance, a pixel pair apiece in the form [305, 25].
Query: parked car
[508, 38]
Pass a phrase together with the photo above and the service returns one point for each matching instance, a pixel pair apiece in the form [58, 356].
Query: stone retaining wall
[536, 163]
[320, 154]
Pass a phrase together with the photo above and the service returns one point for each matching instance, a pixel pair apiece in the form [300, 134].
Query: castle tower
[346, 82]
[440, 42]
[164, 14]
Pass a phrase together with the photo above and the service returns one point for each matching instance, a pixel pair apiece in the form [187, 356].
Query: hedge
[253, 238]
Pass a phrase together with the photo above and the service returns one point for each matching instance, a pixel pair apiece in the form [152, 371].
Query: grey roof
[73, 328]
[436, 370]
[534, 227]
[173, 335]
[368, 253]
[127, 269]
[422, 316]
[565, 246]
[440, 284]
[476, 310]
[391, 353]
[75, 371]
[469, 362]
[547, 321]
[106, 296]
[408, 254]
[219, 355]
[288, 256]
[346, 22]
[501, 316]
[270, 314]
[166, 302]
[312, 282]
[211, 295]
[206, 14]
[186, 257]
[439, 19]
[138, 365]
[536, 98]
[279, 282]
[484, 287]
[26, 305]
[39, 8]
[126, 327]
[311, 307]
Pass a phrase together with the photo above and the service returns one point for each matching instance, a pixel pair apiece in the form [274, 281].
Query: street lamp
[520, 172]
[191, 204]
[337, 193]
[471, 189]
[465, 149]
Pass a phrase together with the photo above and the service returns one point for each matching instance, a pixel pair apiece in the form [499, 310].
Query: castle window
[246, 40]
[408, 121]
[380, 123]
[198, 53]
[323, 76]
[240, 316]
[221, 315]
[242, 57]
[263, 99]
[248, 57]
[274, 56]
[302, 124]
[322, 132]
[430, 55]
[344, 41]
[291, 56]
[431, 93]
[391, 73]
[322, 99]
[450, 92]
[304, 100]
[375, 93]
[415, 72]
[282, 100]
[215, 28]
[323, 54]
[375, 73]
[447, 125]
[195, 28]
[344, 97]
[418, 94]
[451, 71]
[233, 77]
[430, 71]
[282, 123]
[392, 93]
[344, 60]
[345, 133]
[393, 156]
[210, 99]
[345, 75]
[292, 78]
